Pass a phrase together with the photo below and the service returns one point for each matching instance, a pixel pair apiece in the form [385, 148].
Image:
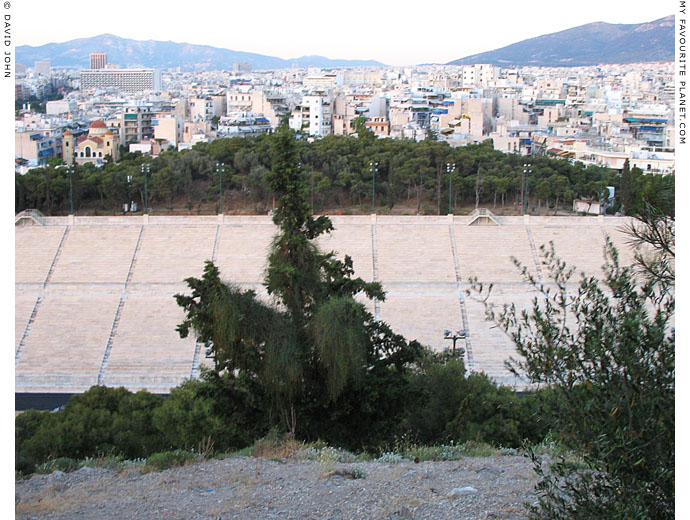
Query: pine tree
[317, 340]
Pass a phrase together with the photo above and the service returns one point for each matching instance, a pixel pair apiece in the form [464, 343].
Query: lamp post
[145, 168]
[526, 171]
[601, 192]
[450, 168]
[373, 167]
[455, 336]
[71, 199]
[219, 169]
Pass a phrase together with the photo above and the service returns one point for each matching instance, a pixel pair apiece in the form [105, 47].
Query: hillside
[590, 44]
[255, 488]
[163, 55]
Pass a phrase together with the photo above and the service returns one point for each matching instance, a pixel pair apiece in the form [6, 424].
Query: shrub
[23, 465]
[64, 464]
[390, 457]
[170, 459]
[608, 350]
[275, 446]
[449, 405]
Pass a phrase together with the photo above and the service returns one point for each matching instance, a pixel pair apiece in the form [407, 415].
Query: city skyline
[360, 30]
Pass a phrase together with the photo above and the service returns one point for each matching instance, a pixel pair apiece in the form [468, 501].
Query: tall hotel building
[128, 80]
[98, 60]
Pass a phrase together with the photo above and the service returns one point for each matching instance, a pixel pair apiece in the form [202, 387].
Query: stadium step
[456, 264]
[535, 256]
[215, 244]
[32, 318]
[194, 374]
[469, 355]
[111, 337]
[57, 256]
[134, 258]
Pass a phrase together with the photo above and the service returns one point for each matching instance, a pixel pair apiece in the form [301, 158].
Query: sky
[390, 31]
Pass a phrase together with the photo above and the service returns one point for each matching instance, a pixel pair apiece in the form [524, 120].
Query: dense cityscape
[601, 115]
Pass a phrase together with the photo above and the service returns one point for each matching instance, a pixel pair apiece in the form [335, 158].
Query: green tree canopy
[317, 340]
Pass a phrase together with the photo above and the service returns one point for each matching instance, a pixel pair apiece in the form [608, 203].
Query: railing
[33, 214]
[483, 213]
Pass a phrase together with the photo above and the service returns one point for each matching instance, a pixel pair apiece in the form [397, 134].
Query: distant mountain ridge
[590, 44]
[164, 55]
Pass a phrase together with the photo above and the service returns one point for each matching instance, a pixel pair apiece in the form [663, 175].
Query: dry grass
[274, 448]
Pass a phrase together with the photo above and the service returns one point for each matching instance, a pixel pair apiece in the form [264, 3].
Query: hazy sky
[395, 32]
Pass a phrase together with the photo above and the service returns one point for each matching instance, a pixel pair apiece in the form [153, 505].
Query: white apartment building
[327, 80]
[128, 80]
[313, 116]
[42, 67]
[239, 102]
[60, 106]
[480, 75]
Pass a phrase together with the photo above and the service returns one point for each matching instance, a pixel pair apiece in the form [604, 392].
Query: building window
[88, 151]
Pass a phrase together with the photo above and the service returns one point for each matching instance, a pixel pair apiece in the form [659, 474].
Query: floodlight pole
[455, 336]
[219, 169]
[373, 167]
[450, 168]
[71, 199]
[526, 171]
[145, 170]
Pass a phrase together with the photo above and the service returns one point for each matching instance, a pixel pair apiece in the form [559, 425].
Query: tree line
[359, 173]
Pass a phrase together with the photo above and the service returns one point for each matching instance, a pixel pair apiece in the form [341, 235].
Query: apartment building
[42, 67]
[35, 146]
[134, 124]
[168, 126]
[201, 108]
[313, 115]
[379, 125]
[60, 106]
[273, 105]
[481, 74]
[239, 101]
[127, 80]
[98, 60]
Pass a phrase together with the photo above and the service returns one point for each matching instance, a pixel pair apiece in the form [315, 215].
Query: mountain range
[163, 55]
[590, 44]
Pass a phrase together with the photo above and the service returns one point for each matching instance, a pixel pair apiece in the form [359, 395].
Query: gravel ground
[256, 488]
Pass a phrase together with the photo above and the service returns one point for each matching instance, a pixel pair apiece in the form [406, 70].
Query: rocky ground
[256, 488]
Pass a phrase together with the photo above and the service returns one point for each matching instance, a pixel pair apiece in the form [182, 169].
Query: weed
[169, 459]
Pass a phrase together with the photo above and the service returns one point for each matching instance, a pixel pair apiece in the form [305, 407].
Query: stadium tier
[94, 295]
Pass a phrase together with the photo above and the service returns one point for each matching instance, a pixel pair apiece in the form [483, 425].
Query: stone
[456, 492]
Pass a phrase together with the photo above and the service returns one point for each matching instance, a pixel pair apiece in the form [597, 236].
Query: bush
[64, 464]
[23, 465]
[170, 459]
[233, 408]
[608, 351]
[450, 406]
